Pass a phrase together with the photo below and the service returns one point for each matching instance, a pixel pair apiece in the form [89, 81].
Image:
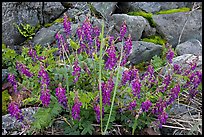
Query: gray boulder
[192, 46]
[171, 25]
[142, 51]
[105, 8]
[52, 10]
[18, 12]
[185, 59]
[4, 74]
[135, 25]
[152, 7]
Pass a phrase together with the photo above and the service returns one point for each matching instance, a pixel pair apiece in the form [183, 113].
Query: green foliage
[146, 15]
[155, 39]
[157, 62]
[27, 30]
[44, 117]
[170, 11]
[59, 20]
[5, 101]
[8, 56]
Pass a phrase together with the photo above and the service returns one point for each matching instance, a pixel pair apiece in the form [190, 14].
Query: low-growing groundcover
[88, 83]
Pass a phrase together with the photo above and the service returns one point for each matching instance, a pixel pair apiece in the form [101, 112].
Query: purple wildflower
[128, 46]
[45, 96]
[80, 33]
[61, 95]
[87, 29]
[76, 71]
[126, 76]
[98, 43]
[136, 87]
[67, 25]
[177, 69]
[76, 109]
[112, 59]
[62, 45]
[12, 80]
[106, 91]
[146, 105]
[45, 77]
[166, 82]
[23, 69]
[111, 40]
[132, 105]
[134, 74]
[97, 111]
[123, 30]
[13, 109]
[159, 107]
[162, 118]
[170, 55]
[96, 31]
[32, 53]
[174, 94]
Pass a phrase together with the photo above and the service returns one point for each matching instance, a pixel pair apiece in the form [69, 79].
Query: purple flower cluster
[61, 95]
[23, 69]
[159, 107]
[76, 109]
[123, 30]
[170, 55]
[67, 25]
[32, 53]
[177, 69]
[45, 96]
[174, 94]
[106, 91]
[13, 109]
[129, 75]
[62, 45]
[166, 83]
[12, 80]
[162, 118]
[112, 59]
[146, 105]
[76, 71]
[136, 87]
[97, 112]
[149, 75]
[132, 105]
[127, 50]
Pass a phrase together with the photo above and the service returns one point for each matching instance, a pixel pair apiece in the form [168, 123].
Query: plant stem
[100, 67]
[115, 88]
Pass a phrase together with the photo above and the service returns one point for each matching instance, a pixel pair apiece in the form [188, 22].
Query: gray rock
[52, 11]
[135, 25]
[10, 123]
[171, 25]
[142, 51]
[192, 46]
[4, 74]
[185, 59]
[152, 7]
[18, 12]
[105, 8]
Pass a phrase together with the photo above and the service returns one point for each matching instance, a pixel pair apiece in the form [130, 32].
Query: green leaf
[74, 45]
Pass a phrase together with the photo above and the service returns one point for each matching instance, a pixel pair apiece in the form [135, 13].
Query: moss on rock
[59, 20]
[170, 11]
[155, 39]
[146, 15]
[5, 101]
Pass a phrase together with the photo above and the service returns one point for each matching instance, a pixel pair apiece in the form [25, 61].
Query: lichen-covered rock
[152, 7]
[135, 25]
[18, 12]
[171, 25]
[105, 8]
[192, 46]
[142, 51]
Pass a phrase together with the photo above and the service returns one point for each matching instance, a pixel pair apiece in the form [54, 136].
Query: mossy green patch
[5, 101]
[155, 39]
[59, 20]
[146, 15]
[170, 11]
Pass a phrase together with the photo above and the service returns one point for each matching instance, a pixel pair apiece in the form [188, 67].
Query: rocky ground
[182, 30]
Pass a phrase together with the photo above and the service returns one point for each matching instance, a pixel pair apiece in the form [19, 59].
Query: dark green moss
[146, 15]
[155, 39]
[5, 101]
[170, 11]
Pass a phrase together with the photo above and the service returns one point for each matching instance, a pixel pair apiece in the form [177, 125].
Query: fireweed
[126, 96]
